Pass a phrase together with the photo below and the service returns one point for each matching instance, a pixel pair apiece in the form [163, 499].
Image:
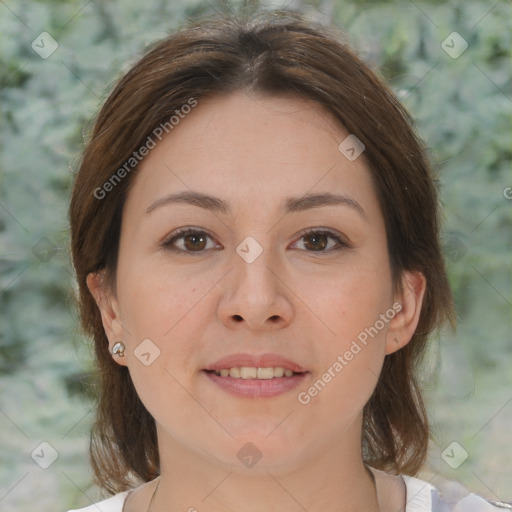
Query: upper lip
[260, 361]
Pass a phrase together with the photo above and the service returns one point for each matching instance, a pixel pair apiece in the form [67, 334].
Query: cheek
[164, 310]
[156, 301]
[352, 355]
[169, 308]
[348, 302]
[352, 348]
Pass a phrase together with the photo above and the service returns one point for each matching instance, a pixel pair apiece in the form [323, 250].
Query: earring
[118, 349]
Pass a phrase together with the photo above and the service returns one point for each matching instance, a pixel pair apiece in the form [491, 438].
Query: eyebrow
[291, 204]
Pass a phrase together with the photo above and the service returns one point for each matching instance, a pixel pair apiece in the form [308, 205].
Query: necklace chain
[153, 495]
[367, 468]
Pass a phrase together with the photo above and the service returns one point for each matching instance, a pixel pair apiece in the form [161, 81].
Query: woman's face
[286, 264]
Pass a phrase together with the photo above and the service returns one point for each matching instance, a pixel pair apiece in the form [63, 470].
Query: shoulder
[112, 504]
[422, 496]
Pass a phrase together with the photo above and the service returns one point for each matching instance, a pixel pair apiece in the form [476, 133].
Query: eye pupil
[317, 236]
[195, 237]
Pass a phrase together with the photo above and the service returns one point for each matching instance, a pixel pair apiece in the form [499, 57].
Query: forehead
[253, 149]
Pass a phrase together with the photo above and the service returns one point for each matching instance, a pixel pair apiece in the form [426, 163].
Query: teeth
[247, 372]
[278, 372]
[265, 373]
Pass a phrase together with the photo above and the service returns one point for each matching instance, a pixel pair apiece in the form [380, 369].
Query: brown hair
[273, 53]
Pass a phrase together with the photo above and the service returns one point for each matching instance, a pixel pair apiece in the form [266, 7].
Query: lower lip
[253, 388]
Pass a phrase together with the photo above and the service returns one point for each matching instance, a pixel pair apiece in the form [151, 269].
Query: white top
[421, 497]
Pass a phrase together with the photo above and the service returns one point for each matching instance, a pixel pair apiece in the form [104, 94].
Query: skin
[299, 299]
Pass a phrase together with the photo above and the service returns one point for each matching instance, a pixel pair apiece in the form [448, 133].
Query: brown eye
[318, 240]
[194, 241]
[191, 241]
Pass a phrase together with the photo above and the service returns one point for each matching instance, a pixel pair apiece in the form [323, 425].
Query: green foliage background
[462, 108]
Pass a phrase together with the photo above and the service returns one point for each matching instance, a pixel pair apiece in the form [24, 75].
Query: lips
[262, 361]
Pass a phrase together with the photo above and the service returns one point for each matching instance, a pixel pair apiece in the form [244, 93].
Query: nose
[255, 294]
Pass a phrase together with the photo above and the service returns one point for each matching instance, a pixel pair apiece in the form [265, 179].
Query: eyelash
[181, 233]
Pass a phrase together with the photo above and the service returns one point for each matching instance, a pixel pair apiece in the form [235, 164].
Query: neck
[335, 481]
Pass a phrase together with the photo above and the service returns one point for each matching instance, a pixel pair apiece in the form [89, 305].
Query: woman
[255, 232]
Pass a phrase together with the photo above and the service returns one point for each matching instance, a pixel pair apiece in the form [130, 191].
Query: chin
[259, 454]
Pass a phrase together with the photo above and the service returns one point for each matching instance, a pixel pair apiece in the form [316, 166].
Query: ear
[109, 309]
[403, 324]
